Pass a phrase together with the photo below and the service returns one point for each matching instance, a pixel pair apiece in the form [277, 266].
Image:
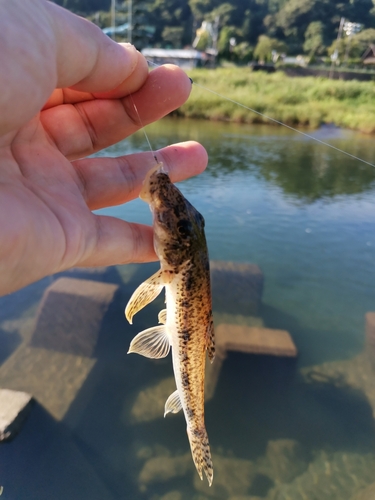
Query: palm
[49, 194]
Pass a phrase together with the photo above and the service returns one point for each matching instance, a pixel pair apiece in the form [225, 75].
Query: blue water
[302, 212]
[305, 214]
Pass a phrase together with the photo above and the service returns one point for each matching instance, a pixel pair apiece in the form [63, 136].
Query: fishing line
[144, 131]
[275, 121]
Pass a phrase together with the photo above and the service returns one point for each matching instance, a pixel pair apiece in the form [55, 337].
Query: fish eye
[184, 227]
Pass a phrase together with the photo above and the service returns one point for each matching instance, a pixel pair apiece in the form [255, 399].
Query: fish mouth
[145, 191]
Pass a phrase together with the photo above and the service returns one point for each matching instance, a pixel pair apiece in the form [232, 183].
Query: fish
[186, 325]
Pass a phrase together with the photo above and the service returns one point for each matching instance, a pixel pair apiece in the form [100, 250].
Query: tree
[200, 8]
[362, 40]
[243, 52]
[173, 35]
[314, 38]
[338, 46]
[265, 46]
[84, 6]
[360, 11]
[204, 41]
[171, 14]
[296, 15]
[223, 45]
[301, 24]
[354, 46]
[252, 18]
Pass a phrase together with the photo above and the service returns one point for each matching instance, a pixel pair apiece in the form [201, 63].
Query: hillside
[256, 27]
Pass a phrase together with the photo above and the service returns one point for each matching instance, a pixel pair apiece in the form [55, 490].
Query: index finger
[87, 59]
[43, 46]
[69, 95]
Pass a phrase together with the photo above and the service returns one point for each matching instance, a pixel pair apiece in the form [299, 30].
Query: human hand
[65, 94]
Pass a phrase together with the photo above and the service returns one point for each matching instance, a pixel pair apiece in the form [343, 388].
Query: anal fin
[173, 403]
[162, 316]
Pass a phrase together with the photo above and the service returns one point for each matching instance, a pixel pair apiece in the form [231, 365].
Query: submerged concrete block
[236, 287]
[14, 408]
[53, 378]
[365, 494]
[370, 337]
[255, 340]
[284, 461]
[233, 479]
[247, 339]
[212, 373]
[70, 315]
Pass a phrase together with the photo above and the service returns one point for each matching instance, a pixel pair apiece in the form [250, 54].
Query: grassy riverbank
[305, 101]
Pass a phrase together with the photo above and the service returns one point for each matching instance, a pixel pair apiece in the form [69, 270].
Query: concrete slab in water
[355, 373]
[56, 356]
[236, 287]
[70, 315]
[54, 378]
[255, 340]
[247, 339]
[365, 494]
[149, 404]
[14, 408]
[370, 336]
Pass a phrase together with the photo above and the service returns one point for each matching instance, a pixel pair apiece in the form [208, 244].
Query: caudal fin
[200, 449]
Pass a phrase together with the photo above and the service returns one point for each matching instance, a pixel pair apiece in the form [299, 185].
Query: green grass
[304, 101]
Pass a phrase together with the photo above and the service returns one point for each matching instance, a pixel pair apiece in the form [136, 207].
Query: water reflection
[311, 174]
[301, 167]
[279, 428]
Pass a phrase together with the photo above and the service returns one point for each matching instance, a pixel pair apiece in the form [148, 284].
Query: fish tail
[200, 449]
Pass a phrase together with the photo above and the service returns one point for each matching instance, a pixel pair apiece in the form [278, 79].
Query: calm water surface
[305, 214]
[302, 212]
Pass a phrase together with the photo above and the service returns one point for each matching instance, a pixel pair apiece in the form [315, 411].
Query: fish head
[178, 226]
[151, 182]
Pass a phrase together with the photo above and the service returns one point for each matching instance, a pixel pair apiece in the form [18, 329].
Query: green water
[302, 212]
[305, 214]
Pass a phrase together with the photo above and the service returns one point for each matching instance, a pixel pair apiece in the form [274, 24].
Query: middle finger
[107, 182]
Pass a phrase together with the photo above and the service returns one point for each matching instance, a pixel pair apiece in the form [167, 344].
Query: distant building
[185, 58]
[122, 29]
[297, 60]
[368, 56]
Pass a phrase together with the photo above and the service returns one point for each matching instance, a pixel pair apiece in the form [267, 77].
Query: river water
[279, 428]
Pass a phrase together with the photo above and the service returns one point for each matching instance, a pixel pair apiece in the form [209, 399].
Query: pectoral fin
[152, 343]
[144, 294]
[162, 316]
[173, 403]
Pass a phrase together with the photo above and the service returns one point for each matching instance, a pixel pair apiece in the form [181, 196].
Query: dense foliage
[307, 101]
[296, 26]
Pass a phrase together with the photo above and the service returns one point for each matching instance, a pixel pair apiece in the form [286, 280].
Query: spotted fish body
[187, 325]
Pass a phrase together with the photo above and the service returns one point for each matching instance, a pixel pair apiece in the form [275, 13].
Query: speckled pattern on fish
[187, 324]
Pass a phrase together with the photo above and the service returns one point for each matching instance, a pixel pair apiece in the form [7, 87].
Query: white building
[184, 58]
